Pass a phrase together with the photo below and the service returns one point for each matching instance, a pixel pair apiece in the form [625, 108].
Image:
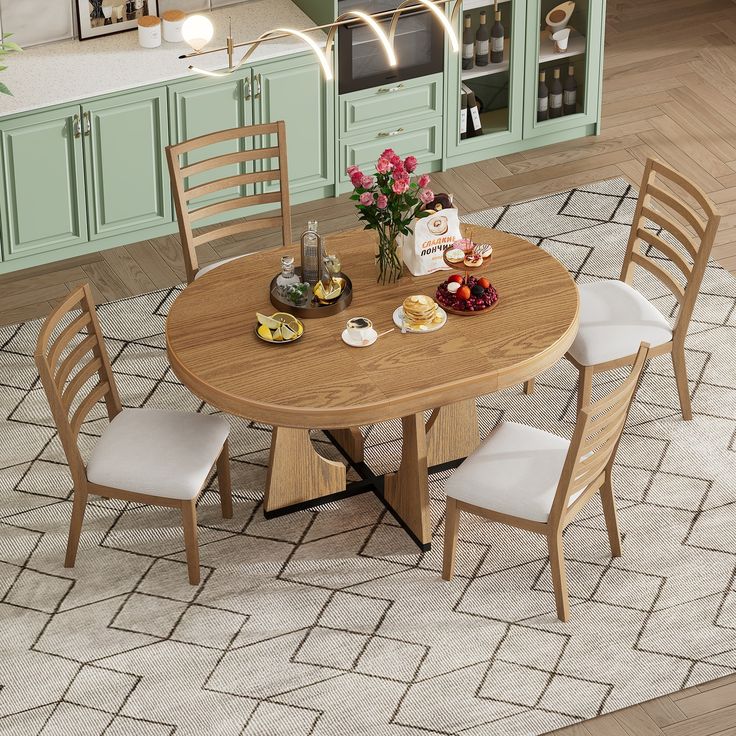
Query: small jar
[173, 22]
[149, 31]
[287, 278]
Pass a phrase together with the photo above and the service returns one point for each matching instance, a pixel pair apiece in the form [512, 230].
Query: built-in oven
[362, 62]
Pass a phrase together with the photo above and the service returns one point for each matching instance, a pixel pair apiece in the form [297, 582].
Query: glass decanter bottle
[288, 277]
[312, 253]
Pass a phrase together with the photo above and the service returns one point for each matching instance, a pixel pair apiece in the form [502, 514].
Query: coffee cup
[359, 329]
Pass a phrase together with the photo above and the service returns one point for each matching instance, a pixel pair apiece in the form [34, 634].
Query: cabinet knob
[386, 134]
[389, 90]
[87, 123]
[257, 82]
[76, 127]
[246, 88]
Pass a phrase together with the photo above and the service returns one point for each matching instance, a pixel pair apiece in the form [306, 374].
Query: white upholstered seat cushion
[515, 471]
[614, 320]
[156, 452]
[212, 266]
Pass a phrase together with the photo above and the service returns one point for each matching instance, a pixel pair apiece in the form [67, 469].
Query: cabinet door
[203, 107]
[583, 55]
[498, 88]
[294, 90]
[43, 180]
[127, 179]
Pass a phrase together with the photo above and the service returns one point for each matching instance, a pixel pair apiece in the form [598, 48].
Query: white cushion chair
[615, 317]
[195, 178]
[537, 481]
[144, 455]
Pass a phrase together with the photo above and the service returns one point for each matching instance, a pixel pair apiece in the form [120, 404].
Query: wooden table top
[320, 382]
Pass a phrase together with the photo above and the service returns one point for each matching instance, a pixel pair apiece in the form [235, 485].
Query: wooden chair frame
[686, 295]
[587, 469]
[62, 393]
[184, 194]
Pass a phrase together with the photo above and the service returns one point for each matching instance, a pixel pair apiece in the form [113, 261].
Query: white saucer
[357, 343]
[399, 318]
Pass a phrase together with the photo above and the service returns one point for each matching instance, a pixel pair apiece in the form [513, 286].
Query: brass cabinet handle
[76, 127]
[385, 134]
[258, 86]
[246, 85]
[389, 90]
[87, 123]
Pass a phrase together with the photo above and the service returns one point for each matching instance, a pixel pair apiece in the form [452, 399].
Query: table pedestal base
[452, 432]
[297, 473]
[351, 443]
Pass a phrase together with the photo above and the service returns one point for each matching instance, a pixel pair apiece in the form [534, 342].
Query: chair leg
[452, 519]
[609, 512]
[529, 387]
[75, 527]
[189, 521]
[559, 576]
[223, 481]
[683, 388]
[585, 387]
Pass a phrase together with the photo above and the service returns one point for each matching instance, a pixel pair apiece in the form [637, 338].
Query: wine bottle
[542, 98]
[468, 44]
[570, 92]
[497, 39]
[555, 96]
[482, 42]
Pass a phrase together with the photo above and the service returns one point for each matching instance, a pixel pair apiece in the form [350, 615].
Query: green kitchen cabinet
[584, 53]
[44, 205]
[498, 88]
[299, 95]
[127, 178]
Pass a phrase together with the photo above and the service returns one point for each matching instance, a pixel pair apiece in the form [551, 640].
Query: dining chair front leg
[559, 576]
[609, 512]
[452, 520]
[224, 483]
[529, 387]
[189, 521]
[683, 387]
[75, 527]
[585, 386]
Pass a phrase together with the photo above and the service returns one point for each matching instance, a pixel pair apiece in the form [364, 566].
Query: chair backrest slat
[698, 248]
[62, 385]
[596, 438]
[230, 190]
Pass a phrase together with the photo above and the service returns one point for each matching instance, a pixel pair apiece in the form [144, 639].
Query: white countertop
[73, 70]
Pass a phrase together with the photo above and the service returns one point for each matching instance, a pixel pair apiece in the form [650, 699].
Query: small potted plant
[6, 47]
[388, 203]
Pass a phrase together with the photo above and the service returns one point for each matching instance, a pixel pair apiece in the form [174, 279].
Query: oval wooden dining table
[319, 382]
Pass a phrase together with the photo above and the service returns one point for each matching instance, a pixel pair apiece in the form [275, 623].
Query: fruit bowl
[471, 296]
[279, 329]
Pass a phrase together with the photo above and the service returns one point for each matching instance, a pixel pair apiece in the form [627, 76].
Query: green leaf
[11, 46]
[4, 90]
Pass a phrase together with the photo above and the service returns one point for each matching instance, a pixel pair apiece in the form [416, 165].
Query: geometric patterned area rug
[330, 622]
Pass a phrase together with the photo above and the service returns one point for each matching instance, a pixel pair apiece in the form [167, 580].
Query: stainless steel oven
[419, 45]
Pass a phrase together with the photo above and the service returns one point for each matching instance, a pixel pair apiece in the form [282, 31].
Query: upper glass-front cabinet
[563, 65]
[485, 85]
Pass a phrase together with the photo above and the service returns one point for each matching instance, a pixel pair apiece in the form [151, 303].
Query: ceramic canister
[173, 22]
[149, 31]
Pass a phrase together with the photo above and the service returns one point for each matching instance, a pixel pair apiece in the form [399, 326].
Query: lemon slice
[269, 322]
[265, 333]
[278, 335]
[284, 318]
[287, 332]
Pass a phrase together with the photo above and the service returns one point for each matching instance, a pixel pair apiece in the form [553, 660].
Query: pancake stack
[421, 310]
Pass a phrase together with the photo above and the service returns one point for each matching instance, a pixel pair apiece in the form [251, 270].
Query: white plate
[399, 317]
[359, 343]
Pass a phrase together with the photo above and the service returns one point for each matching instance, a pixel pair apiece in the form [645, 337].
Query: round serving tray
[313, 309]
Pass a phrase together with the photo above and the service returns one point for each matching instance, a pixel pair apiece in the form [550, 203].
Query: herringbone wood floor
[670, 91]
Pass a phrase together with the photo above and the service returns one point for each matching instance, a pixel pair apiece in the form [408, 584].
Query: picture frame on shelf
[97, 18]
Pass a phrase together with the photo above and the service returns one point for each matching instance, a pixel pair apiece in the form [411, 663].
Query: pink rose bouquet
[388, 203]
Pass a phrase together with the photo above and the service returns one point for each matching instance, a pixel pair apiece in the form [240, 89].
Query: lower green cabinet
[43, 207]
[127, 178]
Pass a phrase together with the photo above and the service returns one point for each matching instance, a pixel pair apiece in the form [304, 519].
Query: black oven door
[419, 45]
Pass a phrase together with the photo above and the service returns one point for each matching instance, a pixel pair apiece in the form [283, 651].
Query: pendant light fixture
[198, 32]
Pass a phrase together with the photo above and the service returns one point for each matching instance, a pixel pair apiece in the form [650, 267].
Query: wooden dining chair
[537, 481]
[148, 456]
[225, 181]
[615, 317]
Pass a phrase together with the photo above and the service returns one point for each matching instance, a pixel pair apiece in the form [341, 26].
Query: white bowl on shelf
[558, 18]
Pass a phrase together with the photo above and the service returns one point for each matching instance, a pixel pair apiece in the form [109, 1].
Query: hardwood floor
[670, 91]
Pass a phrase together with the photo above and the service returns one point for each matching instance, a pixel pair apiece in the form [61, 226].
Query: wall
[34, 22]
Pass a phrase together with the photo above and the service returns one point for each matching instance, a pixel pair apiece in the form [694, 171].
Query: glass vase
[389, 262]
